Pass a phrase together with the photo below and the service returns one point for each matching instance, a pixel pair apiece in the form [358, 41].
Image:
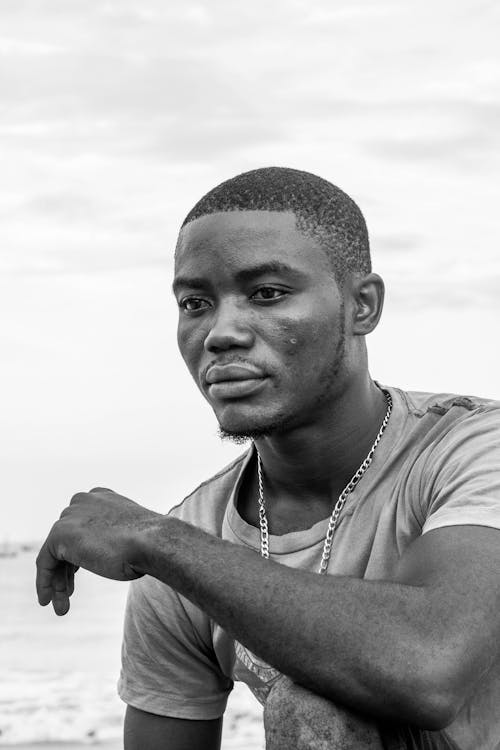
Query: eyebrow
[242, 276]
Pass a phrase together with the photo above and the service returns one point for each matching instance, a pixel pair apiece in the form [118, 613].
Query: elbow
[421, 705]
[436, 697]
[436, 710]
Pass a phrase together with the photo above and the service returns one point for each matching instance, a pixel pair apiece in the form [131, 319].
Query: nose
[230, 329]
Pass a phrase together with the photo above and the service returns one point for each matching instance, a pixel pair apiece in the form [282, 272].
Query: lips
[234, 381]
[224, 373]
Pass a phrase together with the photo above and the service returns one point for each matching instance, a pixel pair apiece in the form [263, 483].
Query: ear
[368, 294]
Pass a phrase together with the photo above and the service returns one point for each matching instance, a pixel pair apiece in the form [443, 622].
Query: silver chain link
[264, 533]
[337, 509]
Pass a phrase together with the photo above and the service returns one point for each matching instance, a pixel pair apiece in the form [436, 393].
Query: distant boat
[7, 550]
[29, 547]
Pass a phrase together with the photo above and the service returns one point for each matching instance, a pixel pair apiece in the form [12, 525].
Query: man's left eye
[268, 293]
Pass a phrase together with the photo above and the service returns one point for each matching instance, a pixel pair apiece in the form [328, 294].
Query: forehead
[236, 238]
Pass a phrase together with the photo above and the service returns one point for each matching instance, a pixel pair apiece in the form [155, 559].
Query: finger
[46, 565]
[60, 589]
[71, 578]
[101, 489]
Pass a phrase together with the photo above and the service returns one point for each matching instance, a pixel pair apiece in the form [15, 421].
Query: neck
[318, 460]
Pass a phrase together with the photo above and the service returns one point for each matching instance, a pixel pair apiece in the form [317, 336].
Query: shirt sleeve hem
[177, 707]
[464, 518]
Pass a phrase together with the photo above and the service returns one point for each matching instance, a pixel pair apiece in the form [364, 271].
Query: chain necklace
[337, 509]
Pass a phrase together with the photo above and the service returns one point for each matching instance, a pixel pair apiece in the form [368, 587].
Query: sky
[117, 116]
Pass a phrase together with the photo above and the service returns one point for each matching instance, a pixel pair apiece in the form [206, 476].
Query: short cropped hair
[322, 210]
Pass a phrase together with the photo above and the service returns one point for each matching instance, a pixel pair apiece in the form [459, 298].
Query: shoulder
[206, 505]
[422, 403]
[449, 446]
[437, 432]
[441, 416]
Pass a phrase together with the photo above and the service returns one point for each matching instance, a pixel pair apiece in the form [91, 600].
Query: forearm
[410, 649]
[353, 641]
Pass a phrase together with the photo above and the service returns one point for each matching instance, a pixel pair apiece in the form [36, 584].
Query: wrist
[143, 546]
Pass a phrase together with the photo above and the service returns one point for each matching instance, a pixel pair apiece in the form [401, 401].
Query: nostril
[226, 334]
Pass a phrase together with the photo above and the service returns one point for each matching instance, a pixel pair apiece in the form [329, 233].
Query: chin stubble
[240, 437]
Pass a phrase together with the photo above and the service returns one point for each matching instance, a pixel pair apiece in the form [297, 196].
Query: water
[58, 675]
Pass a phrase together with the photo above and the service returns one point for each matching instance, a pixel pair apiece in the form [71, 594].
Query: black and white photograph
[250, 375]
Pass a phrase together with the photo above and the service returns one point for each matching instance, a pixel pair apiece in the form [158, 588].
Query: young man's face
[261, 320]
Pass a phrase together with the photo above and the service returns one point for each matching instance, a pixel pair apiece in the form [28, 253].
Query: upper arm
[169, 666]
[145, 731]
[456, 560]
[457, 567]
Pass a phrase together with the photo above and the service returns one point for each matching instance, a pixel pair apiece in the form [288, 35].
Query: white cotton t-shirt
[438, 464]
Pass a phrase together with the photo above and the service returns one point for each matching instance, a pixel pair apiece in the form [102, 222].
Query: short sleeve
[168, 664]
[464, 474]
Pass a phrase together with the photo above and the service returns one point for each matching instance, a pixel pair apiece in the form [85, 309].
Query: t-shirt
[437, 464]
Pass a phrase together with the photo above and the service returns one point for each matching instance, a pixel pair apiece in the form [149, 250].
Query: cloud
[462, 133]
[398, 243]
[149, 78]
[117, 115]
[78, 233]
[424, 294]
[68, 207]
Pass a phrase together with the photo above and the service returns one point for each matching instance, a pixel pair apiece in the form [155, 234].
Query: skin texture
[328, 634]
[145, 731]
[296, 718]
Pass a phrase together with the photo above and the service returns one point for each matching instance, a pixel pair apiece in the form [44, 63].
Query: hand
[98, 531]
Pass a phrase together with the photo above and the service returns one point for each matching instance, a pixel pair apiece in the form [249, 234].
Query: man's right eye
[193, 304]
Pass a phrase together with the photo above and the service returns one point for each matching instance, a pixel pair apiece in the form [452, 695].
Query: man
[347, 566]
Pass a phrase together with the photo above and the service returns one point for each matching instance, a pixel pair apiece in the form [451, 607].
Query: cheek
[292, 346]
[190, 342]
[294, 337]
[307, 340]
